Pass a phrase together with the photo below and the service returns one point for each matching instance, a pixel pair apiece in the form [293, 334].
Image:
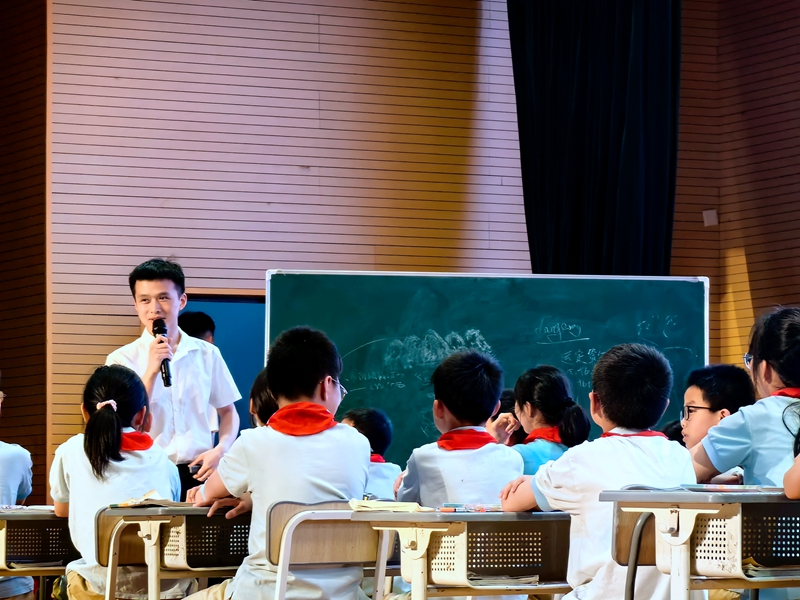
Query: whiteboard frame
[703, 279]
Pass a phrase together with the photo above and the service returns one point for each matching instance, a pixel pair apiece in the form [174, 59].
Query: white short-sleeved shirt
[72, 480]
[324, 467]
[758, 439]
[381, 478]
[15, 485]
[435, 476]
[573, 483]
[200, 378]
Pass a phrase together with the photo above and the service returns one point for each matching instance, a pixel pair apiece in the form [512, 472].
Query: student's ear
[496, 408]
[140, 419]
[84, 413]
[438, 409]
[594, 405]
[724, 413]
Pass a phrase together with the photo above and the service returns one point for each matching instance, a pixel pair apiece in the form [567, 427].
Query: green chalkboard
[393, 329]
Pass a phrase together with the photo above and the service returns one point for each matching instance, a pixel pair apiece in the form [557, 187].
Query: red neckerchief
[376, 458]
[135, 440]
[549, 434]
[645, 433]
[465, 439]
[301, 418]
[790, 392]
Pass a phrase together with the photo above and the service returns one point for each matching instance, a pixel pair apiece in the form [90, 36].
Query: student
[466, 465]
[16, 475]
[113, 461]
[302, 455]
[262, 404]
[507, 408]
[712, 394]
[200, 377]
[375, 425]
[631, 384]
[760, 438]
[197, 324]
[547, 413]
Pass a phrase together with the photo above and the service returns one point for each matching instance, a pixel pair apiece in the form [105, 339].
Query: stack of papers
[503, 581]
[752, 569]
[151, 498]
[387, 505]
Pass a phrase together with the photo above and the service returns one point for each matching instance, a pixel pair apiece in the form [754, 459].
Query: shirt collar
[625, 431]
[187, 343]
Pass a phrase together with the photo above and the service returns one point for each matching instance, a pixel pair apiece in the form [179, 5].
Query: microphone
[160, 328]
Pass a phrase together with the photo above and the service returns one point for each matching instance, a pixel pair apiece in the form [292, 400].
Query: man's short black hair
[197, 324]
[299, 360]
[723, 386]
[632, 383]
[373, 424]
[156, 269]
[469, 385]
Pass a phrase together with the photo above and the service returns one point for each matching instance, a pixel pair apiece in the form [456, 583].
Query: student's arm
[212, 490]
[791, 480]
[231, 479]
[59, 484]
[25, 469]
[409, 485]
[726, 445]
[228, 429]
[62, 509]
[703, 467]
[518, 495]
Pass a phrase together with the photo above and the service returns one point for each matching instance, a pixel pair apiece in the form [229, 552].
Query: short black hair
[298, 360]
[469, 385]
[197, 324]
[264, 404]
[632, 383]
[373, 424]
[775, 338]
[723, 386]
[157, 269]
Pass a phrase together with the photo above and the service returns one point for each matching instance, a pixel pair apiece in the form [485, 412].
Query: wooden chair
[322, 535]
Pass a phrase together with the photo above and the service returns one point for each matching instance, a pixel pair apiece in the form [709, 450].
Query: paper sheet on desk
[151, 498]
[386, 505]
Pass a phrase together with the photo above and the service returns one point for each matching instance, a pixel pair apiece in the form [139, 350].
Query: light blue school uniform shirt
[538, 452]
[760, 439]
[15, 485]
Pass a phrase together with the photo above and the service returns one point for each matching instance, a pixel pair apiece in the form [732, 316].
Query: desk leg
[419, 577]
[149, 531]
[679, 578]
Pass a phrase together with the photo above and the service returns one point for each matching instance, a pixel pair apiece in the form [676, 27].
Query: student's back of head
[112, 398]
[632, 383]
[723, 387]
[197, 324]
[469, 385]
[775, 340]
[298, 361]
[373, 424]
[262, 404]
[547, 390]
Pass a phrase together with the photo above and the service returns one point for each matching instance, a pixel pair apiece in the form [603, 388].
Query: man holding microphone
[180, 390]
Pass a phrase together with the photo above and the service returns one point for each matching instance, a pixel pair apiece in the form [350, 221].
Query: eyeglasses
[748, 360]
[342, 389]
[688, 411]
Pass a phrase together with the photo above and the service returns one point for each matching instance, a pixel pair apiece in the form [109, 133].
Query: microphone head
[159, 327]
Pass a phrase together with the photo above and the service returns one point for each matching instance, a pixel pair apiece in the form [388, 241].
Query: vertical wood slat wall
[22, 230]
[738, 139]
[238, 136]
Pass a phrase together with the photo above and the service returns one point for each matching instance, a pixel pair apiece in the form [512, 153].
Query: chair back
[131, 547]
[624, 523]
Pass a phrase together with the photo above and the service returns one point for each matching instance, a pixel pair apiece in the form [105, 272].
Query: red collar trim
[549, 434]
[301, 418]
[789, 392]
[376, 458]
[645, 433]
[465, 439]
[135, 440]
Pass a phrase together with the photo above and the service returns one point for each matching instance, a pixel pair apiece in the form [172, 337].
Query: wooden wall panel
[238, 136]
[23, 72]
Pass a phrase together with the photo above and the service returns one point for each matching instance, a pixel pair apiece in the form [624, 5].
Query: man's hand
[210, 461]
[159, 350]
[240, 506]
[398, 482]
[502, 427]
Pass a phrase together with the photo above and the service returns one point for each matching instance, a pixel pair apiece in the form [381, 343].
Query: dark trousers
[187, 481]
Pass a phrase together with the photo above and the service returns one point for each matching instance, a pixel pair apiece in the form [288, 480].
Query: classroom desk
[34, 536]
[705, 536]
[443, 547]
[179, 541]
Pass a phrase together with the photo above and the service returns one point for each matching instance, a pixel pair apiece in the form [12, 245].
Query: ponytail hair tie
[111, 403]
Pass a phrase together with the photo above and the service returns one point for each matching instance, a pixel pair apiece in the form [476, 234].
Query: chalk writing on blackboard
[431, 349]
[556, 331]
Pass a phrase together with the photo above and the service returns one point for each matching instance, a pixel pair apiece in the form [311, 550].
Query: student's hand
[210, 461]
[502, 427]
[240, 506]
[159, 350]
[398, 482]
[511, 487]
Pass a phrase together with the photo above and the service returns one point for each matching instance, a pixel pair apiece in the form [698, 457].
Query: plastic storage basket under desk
[195, 541]
[764, 527]
[499, 548]
[35, 537]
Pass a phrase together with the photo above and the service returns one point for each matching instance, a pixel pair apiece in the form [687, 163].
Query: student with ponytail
[546, 411]
[113, 461]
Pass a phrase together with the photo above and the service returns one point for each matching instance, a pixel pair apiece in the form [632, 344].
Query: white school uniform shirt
[573, 483]
[435, 476]
[200, 378]
[324, 467]
[15, 485]
[381, 478]
[72, 480]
